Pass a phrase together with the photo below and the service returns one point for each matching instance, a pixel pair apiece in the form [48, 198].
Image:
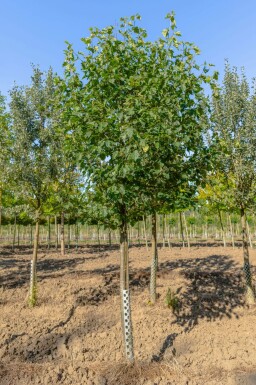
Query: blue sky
[34, 31]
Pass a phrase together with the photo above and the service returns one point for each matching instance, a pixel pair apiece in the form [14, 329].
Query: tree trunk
[14, 232]
[31, 235]
[138, 234]
[181, 230]
[231, 231]
[77, 235]
[163, 229]
[62, 234]
[250, 295]
[98, 236]
[33, 275]
[109, 237]
[145, 232]
[154, 262]
[124, 289]
[167, 226]
[222, 228]
[49, 233]
[186, 229]
[18, 234]
[56, 232]
[249, 234]
[69, 235]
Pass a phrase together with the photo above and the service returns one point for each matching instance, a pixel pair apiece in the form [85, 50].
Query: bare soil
[73, 335]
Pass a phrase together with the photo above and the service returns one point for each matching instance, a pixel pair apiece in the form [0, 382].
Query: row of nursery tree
[179, 228]
[133, 128]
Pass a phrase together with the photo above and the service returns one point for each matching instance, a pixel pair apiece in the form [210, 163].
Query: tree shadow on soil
[18, 270]
[214, 289]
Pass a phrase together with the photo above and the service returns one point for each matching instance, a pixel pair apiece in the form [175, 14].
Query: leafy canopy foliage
[136, 112]
[235, 125]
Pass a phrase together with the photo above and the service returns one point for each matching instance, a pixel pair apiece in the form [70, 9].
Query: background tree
[235, 124]
[5, 143]
[33, 165]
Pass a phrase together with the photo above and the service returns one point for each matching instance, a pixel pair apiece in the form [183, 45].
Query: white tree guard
[127, 325]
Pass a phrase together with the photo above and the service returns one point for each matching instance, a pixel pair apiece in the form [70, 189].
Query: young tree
[235, 124]
[5, 143]
[33, 166]
[135, 112]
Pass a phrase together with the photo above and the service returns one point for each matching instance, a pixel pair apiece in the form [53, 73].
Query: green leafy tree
[33, 165]
[5, 143]
[135, 116]
[235, 124]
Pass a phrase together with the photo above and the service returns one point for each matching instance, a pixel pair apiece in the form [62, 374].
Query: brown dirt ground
[73, 335]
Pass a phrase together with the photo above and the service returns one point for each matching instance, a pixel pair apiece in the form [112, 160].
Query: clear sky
[34, 31]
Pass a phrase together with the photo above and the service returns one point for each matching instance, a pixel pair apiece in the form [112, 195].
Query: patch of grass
[172, 301]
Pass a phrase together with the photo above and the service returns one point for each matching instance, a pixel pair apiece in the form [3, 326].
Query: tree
[234, 120]
[135, 113]
[5, 143]
[33, 166]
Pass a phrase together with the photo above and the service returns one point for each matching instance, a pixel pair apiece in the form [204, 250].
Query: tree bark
[77, 235]
[231, 231]
[186, 229]
[56, 232]
[145, 232]
[124, 289]
[250, 295]
[49, 232]
[181, 230]
[154, 262]
[98, 236]
[69, 235]
[14, 232]
[33, 274]
[163, 229]
[222, 228]
[249, 234]
[109, 237]
[18, 235]
[138, 233]
[62, 233]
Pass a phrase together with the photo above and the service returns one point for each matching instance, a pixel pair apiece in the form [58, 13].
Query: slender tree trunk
[31, 235]
[109, 237]
[49, 232]
[167, 227]
[154, 262]
[18, 234]
[139, 233]
[77, 235]
[231, 231]
[250, 295]
[163, 229]
[33, 274]
[222, 228]
[145, 232]
[249, 234]
[98, 236]
[69, 235]
[186, 229]
[181, 230]
[124, 289]
[14, 232]
[62, 233]
[56, 232]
